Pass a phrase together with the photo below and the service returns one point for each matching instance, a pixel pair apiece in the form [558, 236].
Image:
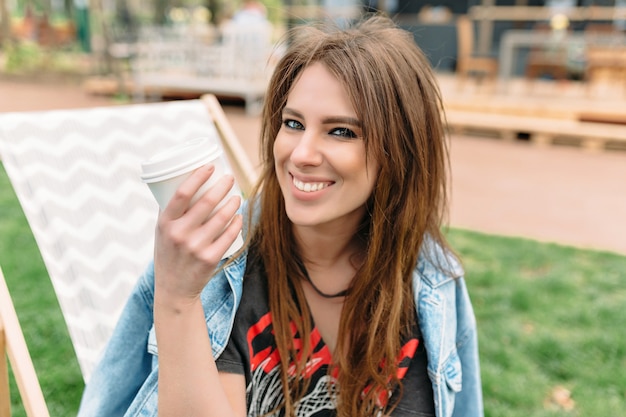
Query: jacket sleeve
[126, 362]
[469, 401]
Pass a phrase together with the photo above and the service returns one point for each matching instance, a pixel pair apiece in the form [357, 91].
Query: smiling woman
[346, 300]
[320, 158]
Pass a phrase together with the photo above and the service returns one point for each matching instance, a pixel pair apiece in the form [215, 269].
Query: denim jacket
[125, 381]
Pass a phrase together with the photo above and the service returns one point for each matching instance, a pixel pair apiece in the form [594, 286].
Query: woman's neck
[324, 249]
[330, 262]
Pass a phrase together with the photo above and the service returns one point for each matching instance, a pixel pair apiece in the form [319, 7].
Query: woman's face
[321, 165]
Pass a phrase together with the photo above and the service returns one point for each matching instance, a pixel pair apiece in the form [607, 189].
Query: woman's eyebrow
[343, 120]
[292, 112]
[347, 120]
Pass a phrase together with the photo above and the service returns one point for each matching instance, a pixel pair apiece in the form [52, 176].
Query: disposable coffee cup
[167, 170]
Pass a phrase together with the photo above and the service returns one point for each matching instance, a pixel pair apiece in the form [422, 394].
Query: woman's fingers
[186, 258]
[210, 241]
[180, 201]
[211, 200]
[205, 220]
[191, 240]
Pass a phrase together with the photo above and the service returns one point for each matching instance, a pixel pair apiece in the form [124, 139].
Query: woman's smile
[308, 186]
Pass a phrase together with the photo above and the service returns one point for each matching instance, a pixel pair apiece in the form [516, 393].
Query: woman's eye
[293, 124]
[344, 132]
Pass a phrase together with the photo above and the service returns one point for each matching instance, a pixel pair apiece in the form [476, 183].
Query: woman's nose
[307, 151]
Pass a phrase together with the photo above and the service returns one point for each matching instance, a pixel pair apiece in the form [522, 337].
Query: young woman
[346, 300]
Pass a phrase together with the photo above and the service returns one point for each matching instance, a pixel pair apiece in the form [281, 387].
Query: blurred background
[89, 37]
[535, 99]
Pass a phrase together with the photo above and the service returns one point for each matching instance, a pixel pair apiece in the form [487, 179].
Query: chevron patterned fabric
[76, 175]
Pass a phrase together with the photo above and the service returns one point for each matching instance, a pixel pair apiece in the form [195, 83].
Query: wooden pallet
[512, 106]
[591, 136]
[602, 117]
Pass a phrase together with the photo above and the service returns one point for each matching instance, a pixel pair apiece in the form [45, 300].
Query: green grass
[549, 316]
[38, 311]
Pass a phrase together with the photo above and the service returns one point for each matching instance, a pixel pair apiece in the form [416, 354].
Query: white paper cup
[166, 171]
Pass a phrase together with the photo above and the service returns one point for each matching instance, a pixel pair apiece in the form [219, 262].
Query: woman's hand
[190, 241]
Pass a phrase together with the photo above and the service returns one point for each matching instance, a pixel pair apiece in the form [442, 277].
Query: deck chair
[547, 61]
[13, 346]
[468, 63]
[76, 175]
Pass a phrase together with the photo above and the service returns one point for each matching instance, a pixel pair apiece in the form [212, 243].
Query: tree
[160, 11]
[5, 22]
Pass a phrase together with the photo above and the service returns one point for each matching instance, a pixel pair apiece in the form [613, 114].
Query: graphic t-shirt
[252, 351]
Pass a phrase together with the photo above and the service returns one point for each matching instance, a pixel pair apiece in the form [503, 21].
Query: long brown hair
[395, 95]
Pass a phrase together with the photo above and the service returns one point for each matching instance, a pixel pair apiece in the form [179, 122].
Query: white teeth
[309, 187]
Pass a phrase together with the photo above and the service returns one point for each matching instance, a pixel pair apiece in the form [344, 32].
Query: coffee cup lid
[187, 156]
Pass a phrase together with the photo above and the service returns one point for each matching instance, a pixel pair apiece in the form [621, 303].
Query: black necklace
[342, 293]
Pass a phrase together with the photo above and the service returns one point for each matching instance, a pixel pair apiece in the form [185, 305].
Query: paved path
[554, 194]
